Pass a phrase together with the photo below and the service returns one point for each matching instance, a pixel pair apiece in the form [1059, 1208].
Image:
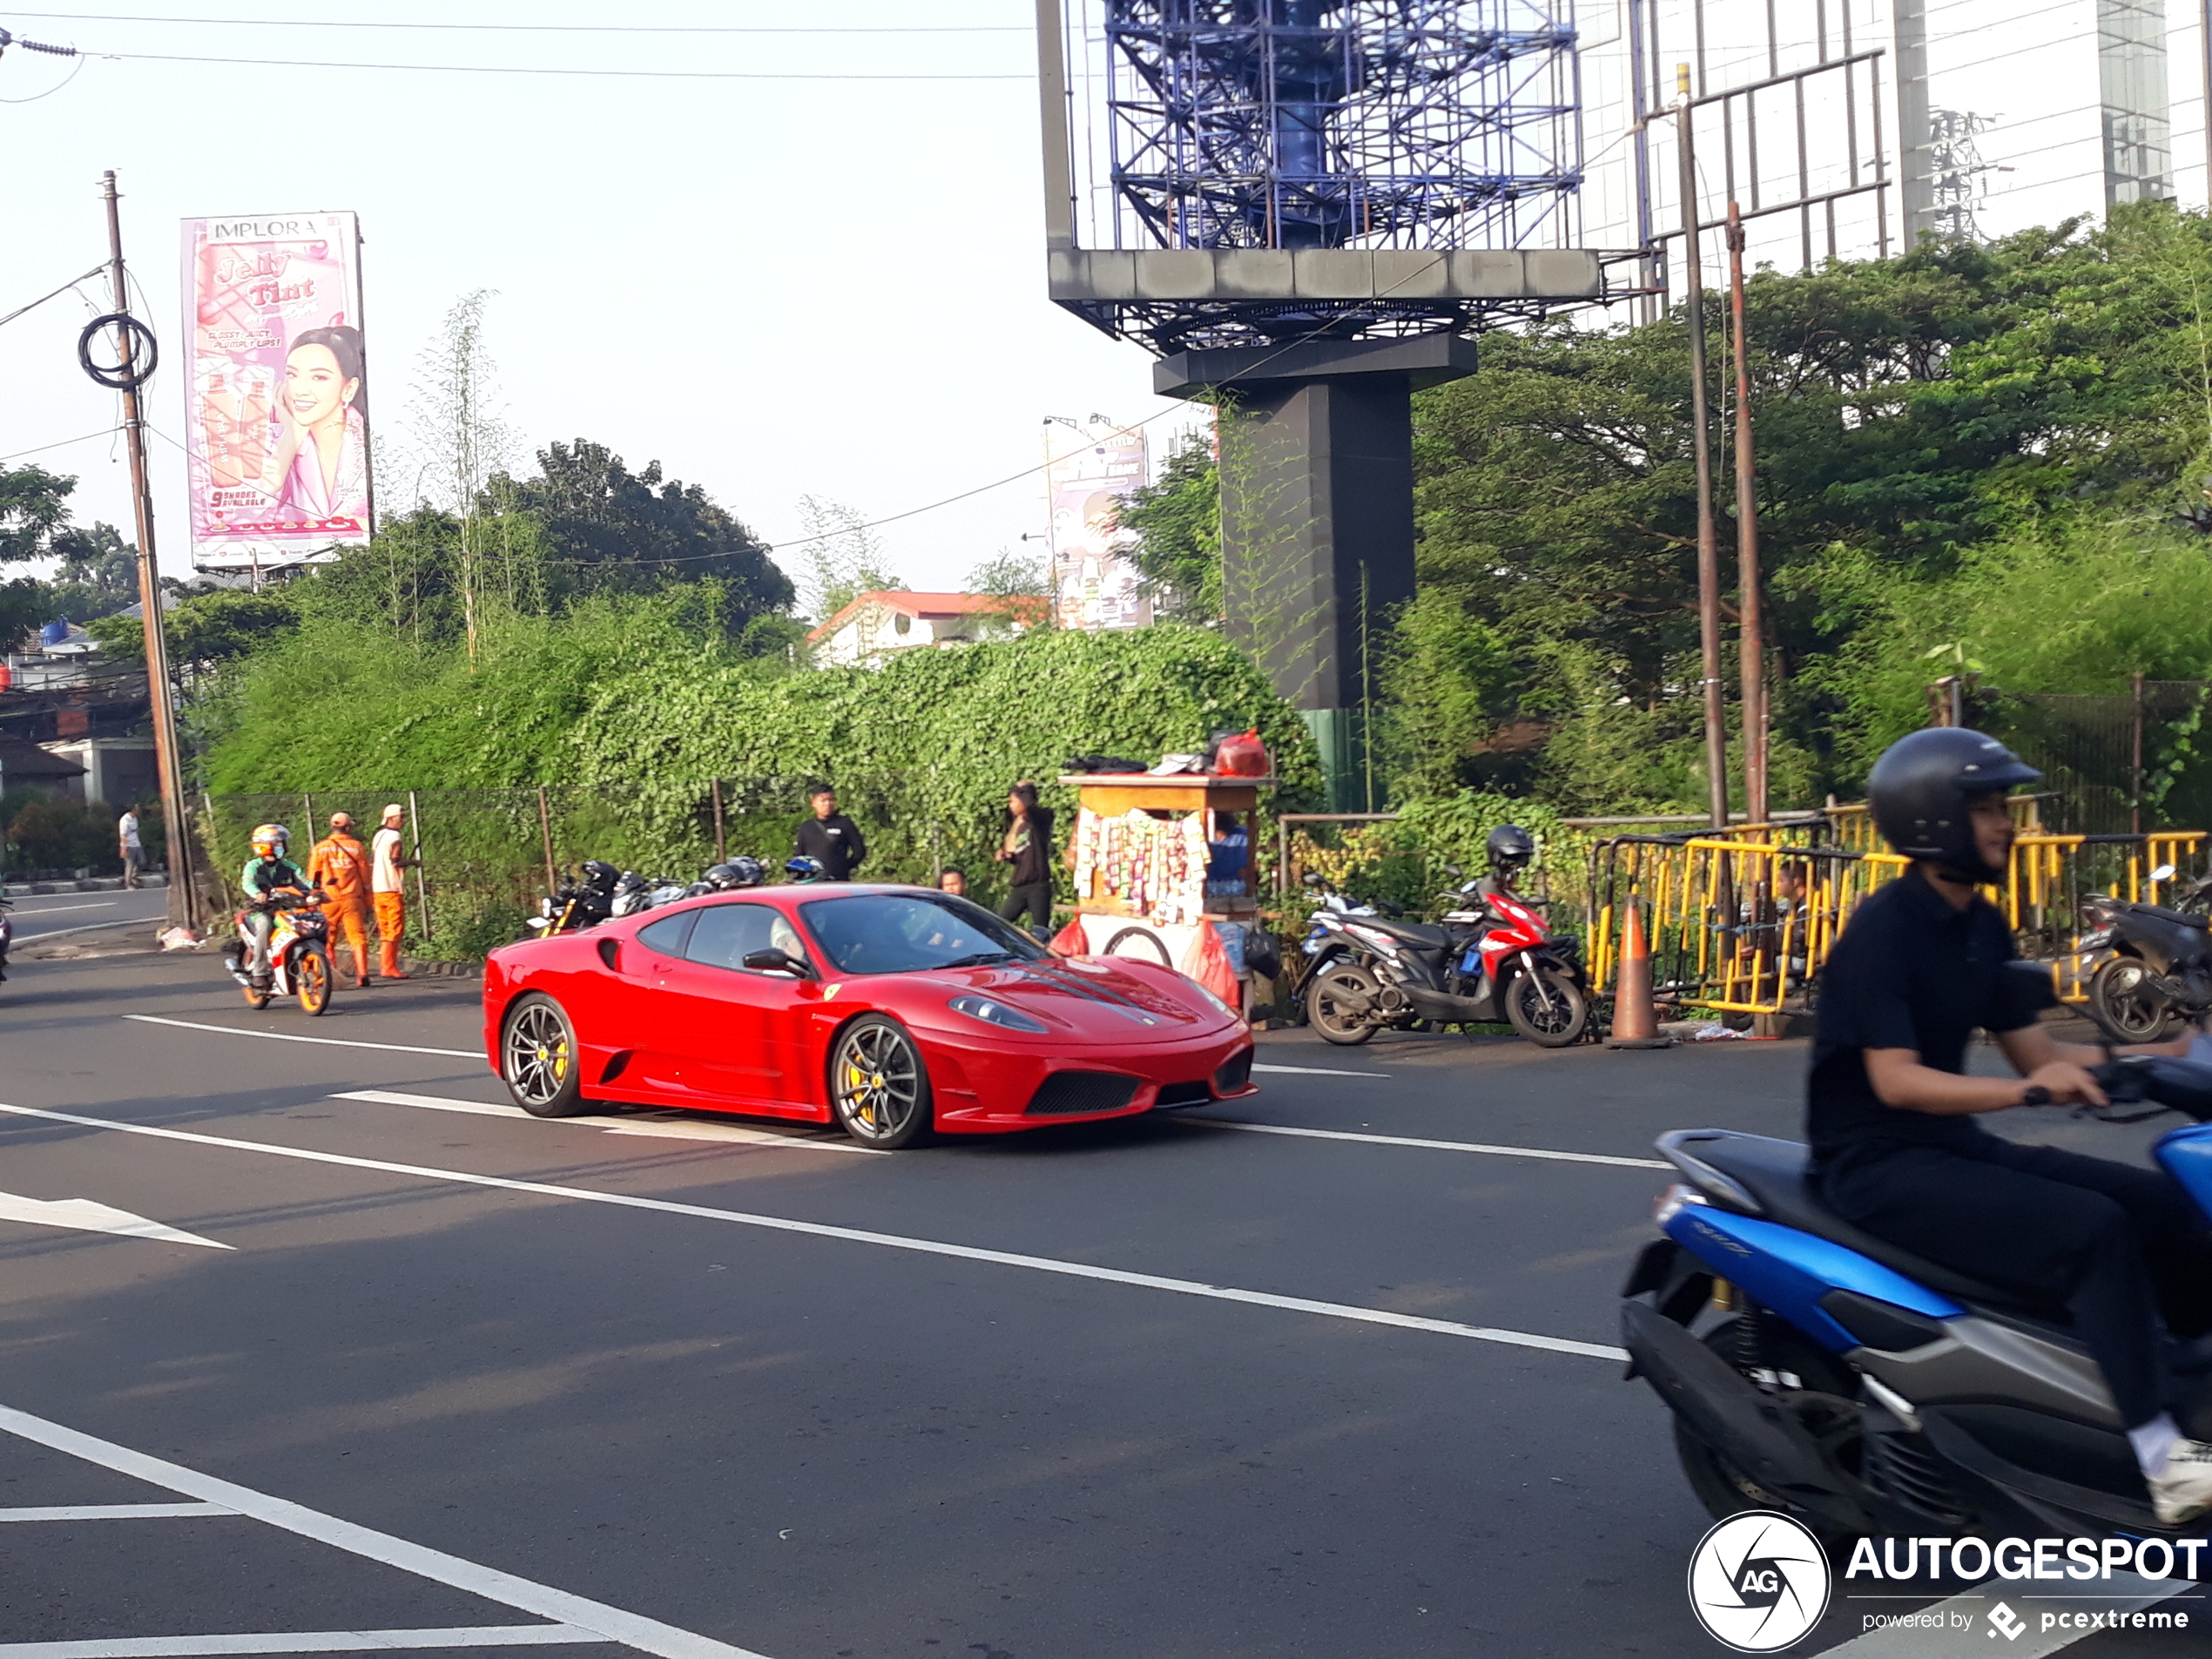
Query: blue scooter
[1816, 1371]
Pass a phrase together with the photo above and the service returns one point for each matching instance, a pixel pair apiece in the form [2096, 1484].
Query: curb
[89, 884]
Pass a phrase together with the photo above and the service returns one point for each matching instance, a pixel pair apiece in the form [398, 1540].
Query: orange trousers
[391, 922]
[348, 915]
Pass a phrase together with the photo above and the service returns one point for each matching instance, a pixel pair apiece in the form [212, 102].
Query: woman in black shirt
[1027, 845]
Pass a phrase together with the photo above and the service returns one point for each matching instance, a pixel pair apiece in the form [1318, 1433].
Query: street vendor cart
[1165, 870]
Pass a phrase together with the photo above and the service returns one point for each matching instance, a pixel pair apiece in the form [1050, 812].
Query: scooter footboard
[1726, 1412]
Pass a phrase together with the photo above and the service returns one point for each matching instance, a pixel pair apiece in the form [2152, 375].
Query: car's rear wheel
[878, 1086]
[538, 1059]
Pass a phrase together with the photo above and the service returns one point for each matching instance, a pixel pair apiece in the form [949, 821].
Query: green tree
[1177, 524]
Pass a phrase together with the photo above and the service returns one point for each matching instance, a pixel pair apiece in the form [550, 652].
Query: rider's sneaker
[260, 981]
[2182, 1490]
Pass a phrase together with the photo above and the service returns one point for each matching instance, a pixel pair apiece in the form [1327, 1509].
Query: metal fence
[2117, 764]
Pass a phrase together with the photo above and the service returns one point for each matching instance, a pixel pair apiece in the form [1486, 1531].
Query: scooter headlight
[1670, 1203]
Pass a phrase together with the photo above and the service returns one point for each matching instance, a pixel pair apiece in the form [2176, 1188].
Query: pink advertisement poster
[1096, 585]
[276, 389]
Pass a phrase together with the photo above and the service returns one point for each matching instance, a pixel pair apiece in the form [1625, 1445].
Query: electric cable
[63, 443]
[516, 69]
[64, 289]
[548, 28]
[75, 70]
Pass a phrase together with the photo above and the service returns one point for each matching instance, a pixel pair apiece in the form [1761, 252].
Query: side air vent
[1235, 1073]
[1067, 1094]
[1195, 1094]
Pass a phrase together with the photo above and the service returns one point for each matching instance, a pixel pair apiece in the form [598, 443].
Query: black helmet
[599, 876]
[1920, 790]
[736, 872]
[1510, 847]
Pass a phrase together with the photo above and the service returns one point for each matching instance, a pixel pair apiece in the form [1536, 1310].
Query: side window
[667, 935]
[726, 933]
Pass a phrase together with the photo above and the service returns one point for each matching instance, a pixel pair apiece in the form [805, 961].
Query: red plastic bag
[1242, 756]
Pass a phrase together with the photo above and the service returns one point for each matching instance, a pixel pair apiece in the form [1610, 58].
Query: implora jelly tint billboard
[276, 389]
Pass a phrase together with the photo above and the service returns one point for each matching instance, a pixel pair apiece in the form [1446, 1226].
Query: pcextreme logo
[1758, 1582]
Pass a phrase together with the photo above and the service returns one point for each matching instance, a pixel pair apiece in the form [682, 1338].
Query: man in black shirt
[831, 837]
[1925, 961]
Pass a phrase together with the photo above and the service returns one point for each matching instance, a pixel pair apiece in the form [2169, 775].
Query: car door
[644, 1063]
[734, 1027]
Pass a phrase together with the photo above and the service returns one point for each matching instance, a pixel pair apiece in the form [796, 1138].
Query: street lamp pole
[1709, 554]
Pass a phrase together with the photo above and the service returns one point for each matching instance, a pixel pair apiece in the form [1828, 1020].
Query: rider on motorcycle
[270, 880]
[1923, 963]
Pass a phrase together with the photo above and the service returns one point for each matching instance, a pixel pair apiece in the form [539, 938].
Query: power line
[42, 297]
[511, 68]
[551, 28]
[65, 444]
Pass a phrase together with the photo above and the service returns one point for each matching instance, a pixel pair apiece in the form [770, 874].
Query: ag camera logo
[1758, 1582]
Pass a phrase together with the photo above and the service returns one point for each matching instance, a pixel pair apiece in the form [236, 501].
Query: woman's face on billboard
[315, 390]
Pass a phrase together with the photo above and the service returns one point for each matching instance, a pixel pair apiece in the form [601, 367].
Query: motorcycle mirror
[1453, 871]
[2164, 872]
[1313, 879]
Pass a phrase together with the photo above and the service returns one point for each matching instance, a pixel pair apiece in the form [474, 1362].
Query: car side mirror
[774, 961]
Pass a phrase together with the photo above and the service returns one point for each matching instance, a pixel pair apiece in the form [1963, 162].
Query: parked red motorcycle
[1492, 957]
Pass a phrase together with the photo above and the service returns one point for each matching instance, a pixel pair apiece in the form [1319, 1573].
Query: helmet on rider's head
[803, 868]
[1509, 849]
[270, 841]
[1922, 788]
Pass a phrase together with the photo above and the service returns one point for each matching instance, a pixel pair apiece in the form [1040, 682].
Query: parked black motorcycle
[1490, 958]
[2159, 975]
[578, 901]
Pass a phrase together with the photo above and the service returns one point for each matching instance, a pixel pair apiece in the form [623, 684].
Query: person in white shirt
[134, 851]
[388, 889]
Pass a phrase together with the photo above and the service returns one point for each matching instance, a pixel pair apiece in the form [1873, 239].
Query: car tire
[538, 1060]
[879, 1085]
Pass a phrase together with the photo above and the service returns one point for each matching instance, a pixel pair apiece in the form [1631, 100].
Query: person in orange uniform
[338, 865]
[388, 888]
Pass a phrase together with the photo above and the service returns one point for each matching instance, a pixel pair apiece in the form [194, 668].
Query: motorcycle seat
[1777, 1175]
[1420, 934]
[2164, 914]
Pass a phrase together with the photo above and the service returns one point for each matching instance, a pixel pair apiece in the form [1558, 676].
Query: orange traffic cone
[1636, 1021]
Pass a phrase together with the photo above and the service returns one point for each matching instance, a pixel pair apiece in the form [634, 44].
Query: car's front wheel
[878, 1086]
[538, 1058]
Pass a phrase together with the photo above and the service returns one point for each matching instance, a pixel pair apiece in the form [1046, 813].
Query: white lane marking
[858, 1235]
[289, 1036]
[1432, 1146]
[85, 1216]
[1318, 1071]
[667, 1129]
[45, 934]
[608, 1624]
[466, 1636]
[116, 1512]
[55, 909]
[431, 1102]
[1962, 1636]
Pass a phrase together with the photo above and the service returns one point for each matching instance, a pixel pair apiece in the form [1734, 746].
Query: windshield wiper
[979, 958]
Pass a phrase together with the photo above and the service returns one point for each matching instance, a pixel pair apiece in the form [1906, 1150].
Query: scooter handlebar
[2184, 1086]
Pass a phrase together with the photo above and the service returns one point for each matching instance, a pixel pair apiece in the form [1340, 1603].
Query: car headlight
[1225, 1010]
[993, 1012]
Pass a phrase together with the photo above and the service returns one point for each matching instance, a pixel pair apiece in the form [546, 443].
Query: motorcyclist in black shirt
[1925, 961]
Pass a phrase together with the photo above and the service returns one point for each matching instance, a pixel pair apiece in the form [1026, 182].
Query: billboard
[276, 391]
[1095, 582]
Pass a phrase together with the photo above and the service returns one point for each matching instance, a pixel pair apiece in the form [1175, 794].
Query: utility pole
[1751, 638]
[1709, 554]
[184, 896]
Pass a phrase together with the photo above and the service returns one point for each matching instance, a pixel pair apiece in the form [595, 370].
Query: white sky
[775, 287]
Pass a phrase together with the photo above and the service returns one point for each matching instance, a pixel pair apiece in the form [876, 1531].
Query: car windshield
[906, 933]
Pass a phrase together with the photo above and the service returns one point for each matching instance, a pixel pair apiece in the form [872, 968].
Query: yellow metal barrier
[1743, 926]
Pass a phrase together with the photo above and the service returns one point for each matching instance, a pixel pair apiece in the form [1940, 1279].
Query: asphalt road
[52, 914]
[1160, 1388]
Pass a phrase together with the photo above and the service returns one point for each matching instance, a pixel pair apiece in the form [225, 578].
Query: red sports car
[890, 1011]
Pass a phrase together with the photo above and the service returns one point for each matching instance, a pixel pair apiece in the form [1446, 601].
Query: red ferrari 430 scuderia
[889, 1011]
